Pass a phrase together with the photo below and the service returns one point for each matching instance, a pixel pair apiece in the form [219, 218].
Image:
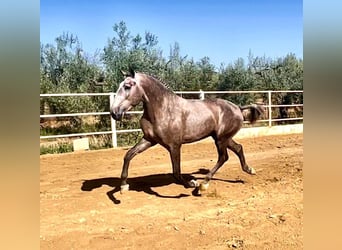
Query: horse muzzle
[117, 112]
[116, 115]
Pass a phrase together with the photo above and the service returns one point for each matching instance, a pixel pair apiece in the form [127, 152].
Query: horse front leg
[138, 148]
[175, 159]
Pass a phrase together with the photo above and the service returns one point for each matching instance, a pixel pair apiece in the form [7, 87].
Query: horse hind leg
[238, 150]
[222, 158]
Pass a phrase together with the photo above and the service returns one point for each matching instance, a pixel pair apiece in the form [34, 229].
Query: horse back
[227, 115]
[210, 117]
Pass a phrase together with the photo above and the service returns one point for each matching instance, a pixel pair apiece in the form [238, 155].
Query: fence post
[201, 95]
[113, 123]
[269, 109]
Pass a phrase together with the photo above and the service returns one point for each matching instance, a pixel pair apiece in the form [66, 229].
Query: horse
[170, 120]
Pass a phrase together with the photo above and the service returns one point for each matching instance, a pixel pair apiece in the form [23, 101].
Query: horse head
[128, 95]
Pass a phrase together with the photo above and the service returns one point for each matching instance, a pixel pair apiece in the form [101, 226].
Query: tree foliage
[66, 68]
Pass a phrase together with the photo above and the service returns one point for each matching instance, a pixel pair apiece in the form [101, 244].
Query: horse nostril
[116, 116]
[112, 114]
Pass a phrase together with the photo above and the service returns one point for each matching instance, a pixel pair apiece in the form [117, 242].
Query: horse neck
[157, 96]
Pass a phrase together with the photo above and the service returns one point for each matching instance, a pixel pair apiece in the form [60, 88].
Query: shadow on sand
[145, 184]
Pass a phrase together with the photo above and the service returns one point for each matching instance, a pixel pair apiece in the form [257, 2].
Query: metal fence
[194, 94]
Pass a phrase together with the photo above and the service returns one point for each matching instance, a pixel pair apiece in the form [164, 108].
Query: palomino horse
[171, 121]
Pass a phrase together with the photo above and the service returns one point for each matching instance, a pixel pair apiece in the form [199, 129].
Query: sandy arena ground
[81, 209]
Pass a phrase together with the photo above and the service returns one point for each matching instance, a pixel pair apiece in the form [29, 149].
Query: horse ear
[131, 72]
[124, 73]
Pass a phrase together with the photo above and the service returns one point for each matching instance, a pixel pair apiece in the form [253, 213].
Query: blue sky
[221, 30]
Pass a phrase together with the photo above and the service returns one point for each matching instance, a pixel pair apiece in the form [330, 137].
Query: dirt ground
[81, 209]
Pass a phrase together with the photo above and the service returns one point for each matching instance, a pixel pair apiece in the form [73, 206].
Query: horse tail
[255, 112]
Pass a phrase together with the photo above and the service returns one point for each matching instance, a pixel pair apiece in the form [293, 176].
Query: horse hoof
[251, 171]
[196, 192]
[193, 183]
[124, 188]
[204, 186]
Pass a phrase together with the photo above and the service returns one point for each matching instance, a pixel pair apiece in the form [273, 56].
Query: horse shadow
[145, 184]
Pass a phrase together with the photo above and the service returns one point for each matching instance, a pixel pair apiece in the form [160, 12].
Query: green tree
[284, 73]
[207, 76]
[115, 55]
[65, 69]
[125, 51]
[236, 77]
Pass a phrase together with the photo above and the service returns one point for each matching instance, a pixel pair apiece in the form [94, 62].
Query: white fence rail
[201, 95]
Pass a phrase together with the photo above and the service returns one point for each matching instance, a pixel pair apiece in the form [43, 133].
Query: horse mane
[159, 80]
[163, 86]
